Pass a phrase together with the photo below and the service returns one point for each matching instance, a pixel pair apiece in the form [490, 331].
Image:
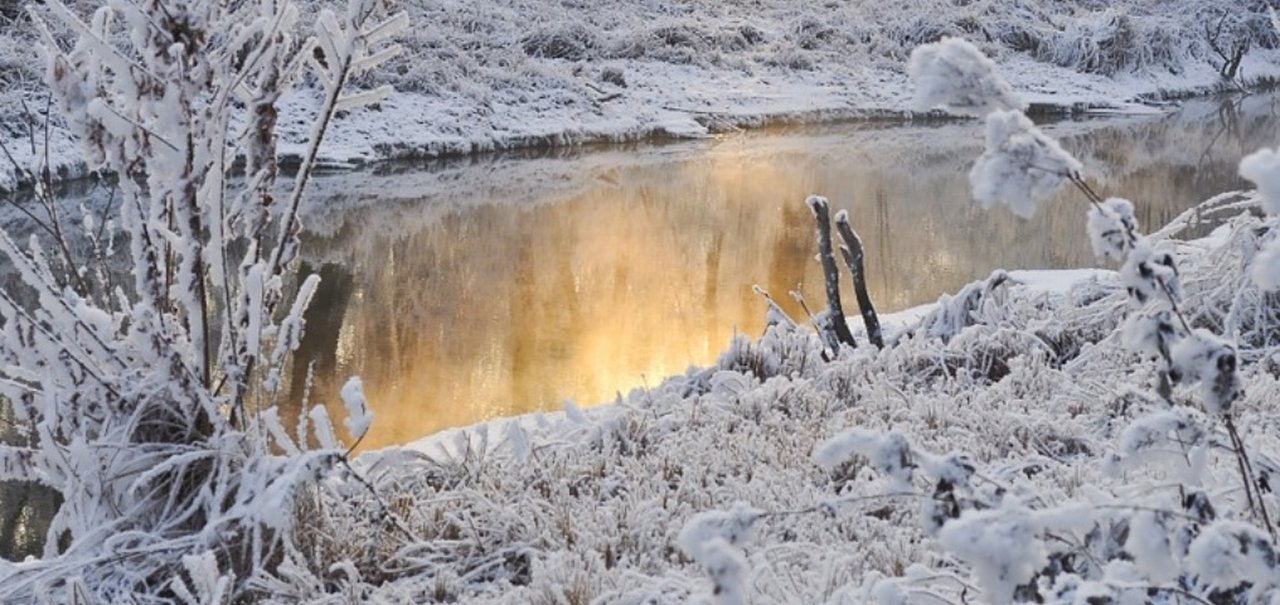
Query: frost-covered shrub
[152, 403]
[1114, 41]
[1114, 544]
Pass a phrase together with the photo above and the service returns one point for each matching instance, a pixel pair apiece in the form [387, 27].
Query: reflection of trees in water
[26, 508]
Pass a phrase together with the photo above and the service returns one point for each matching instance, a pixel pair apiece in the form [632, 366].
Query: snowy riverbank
[479, 77]
[1026, 373]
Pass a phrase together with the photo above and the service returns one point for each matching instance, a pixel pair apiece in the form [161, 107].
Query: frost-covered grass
[481, 76]
[1025, 373]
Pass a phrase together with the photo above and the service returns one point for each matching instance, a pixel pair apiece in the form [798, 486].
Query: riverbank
[1026, 373]
[475, 79]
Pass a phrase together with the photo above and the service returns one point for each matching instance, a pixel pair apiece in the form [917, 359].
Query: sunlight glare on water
[475, 289]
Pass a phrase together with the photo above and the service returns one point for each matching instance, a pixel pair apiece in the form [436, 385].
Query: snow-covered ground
[486, 76]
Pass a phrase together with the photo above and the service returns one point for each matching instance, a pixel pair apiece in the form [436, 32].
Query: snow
[1021, 165]
[359, 413]
[1262, 167]
[1112, 228]
[1048, 418]
[954, 74]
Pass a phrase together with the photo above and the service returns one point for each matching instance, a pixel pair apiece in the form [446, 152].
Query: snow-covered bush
[152, 404]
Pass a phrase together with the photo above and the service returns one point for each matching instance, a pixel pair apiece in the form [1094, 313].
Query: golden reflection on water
[623, 274]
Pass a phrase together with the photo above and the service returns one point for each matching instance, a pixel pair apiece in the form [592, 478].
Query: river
[491, 286]
[475, 288]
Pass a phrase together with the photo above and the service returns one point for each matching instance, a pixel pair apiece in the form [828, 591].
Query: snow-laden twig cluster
[1021, 165]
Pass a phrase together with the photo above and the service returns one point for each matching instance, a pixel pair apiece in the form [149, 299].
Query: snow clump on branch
[1266, 266]
[1112, 229]
[954, 74]
[359, 416]
[1205, 357]
[713, 539]
[1021, 165]
[1149, 275]
[1262, 168]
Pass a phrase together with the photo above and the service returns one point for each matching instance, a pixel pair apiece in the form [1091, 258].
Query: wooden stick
[821, 212]
[853, 257]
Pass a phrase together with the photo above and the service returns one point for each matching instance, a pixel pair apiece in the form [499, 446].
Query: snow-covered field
[483, 76]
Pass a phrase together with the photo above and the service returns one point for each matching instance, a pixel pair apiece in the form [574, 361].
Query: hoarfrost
[1021, 165]
[1112, 228]
[1262, 168]
[1265, 270]
[954, 74]
[1206, 358]
[359, 416]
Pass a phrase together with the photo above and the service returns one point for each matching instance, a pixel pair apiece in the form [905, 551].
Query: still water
[472, 289]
